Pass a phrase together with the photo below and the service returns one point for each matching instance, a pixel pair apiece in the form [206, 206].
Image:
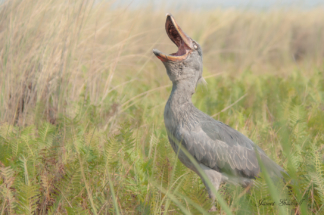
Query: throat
[181, 93]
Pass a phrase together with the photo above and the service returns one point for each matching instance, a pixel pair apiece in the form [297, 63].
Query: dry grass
[51, 51]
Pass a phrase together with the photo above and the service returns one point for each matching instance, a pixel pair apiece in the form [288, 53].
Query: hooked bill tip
[156, 52]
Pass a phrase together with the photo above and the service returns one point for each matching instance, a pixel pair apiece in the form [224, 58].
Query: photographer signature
[282, 202]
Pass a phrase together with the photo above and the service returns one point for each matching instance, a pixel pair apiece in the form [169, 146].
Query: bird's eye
[195, 46]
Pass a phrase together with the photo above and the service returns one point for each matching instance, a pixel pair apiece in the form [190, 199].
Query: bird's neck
[179, 109]
[181, 93]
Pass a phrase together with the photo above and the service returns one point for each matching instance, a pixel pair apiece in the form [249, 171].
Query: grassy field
[82, 99]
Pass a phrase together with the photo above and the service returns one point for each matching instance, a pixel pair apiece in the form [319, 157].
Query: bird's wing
[224, 149]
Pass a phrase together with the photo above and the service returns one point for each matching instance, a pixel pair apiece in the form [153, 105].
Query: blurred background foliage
[82, 99]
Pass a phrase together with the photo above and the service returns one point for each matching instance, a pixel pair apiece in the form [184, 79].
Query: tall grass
[82, 98]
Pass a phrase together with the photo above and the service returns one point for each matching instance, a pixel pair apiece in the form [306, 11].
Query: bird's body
[223, 154]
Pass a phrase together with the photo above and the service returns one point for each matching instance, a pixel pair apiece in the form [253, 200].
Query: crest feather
[202, 81]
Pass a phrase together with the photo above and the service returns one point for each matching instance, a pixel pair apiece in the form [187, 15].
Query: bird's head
[186, 63]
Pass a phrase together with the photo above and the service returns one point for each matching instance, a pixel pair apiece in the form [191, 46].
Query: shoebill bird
[224, 154]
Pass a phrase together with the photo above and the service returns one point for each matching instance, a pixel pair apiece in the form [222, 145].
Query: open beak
[182, 41]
